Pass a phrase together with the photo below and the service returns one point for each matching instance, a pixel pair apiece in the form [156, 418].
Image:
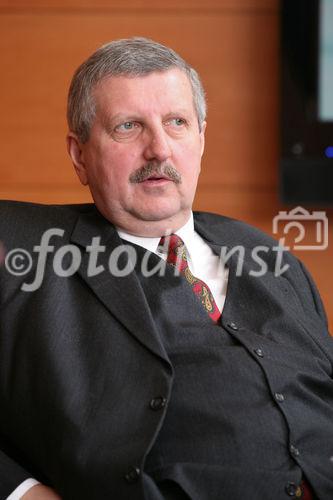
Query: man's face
[142, 158]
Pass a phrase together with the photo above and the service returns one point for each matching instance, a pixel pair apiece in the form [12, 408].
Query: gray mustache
[153, 168]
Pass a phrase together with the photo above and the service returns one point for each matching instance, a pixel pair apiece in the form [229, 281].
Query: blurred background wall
[234, 44]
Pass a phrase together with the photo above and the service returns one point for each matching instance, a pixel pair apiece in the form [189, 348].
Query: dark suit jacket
[81, 359]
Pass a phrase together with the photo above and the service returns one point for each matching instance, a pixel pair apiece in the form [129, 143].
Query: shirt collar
[186, 233]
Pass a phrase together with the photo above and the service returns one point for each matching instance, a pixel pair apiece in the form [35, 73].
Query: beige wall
[233, 44]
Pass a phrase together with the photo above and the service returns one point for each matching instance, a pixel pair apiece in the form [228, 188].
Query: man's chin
[157, 214]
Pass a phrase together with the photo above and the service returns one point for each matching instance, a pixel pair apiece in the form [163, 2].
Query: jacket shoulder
[23, 221]
[36, 212]
[232, 232]
[12, 207]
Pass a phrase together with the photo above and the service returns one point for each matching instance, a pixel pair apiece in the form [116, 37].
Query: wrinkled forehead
[158, 89]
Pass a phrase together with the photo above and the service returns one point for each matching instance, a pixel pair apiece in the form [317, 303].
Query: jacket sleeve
[315, 295]
[11, 475]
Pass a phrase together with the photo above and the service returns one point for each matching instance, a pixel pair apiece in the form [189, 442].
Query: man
[119, 377]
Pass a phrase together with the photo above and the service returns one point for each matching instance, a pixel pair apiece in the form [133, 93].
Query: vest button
[157, 403]
[293, 450]
[279, 397]
[132, 475]
[233, 325]
[293, 490]
[259, 352]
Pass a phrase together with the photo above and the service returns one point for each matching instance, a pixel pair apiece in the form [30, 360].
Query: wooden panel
[142, 4]
[39, 193]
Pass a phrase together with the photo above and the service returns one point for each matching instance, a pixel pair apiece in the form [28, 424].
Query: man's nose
[157, 146]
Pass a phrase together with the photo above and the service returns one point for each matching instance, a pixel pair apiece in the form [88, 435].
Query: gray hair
[127, 57]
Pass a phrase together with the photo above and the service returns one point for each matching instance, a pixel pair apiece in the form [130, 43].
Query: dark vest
[245, 419]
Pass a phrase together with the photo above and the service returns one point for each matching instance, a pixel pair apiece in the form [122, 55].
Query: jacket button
[259, 352]
[293, 450]
[279, 397]
[233, 325]
[157, 403]
[132, 475]
[293, 490]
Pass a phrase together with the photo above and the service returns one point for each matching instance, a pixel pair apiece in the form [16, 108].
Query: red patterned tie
[177, 257]
[306, 491]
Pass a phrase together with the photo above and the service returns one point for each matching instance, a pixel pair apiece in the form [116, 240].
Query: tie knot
[171, 243]
[174, 246]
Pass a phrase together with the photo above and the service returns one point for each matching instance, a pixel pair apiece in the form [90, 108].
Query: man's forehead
[171, 87]
[114, 83]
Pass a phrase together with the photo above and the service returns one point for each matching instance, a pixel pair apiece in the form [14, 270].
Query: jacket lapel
[224, 235]
[121, 295]
[246, 293]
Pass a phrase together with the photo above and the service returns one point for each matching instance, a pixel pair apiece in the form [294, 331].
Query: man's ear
[74, 148]
[202, 136]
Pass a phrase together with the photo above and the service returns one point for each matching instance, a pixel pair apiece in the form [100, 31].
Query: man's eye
[126, 131]
[125, 126]
[177, 121]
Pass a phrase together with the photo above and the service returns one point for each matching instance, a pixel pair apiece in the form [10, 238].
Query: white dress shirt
[203, 264]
